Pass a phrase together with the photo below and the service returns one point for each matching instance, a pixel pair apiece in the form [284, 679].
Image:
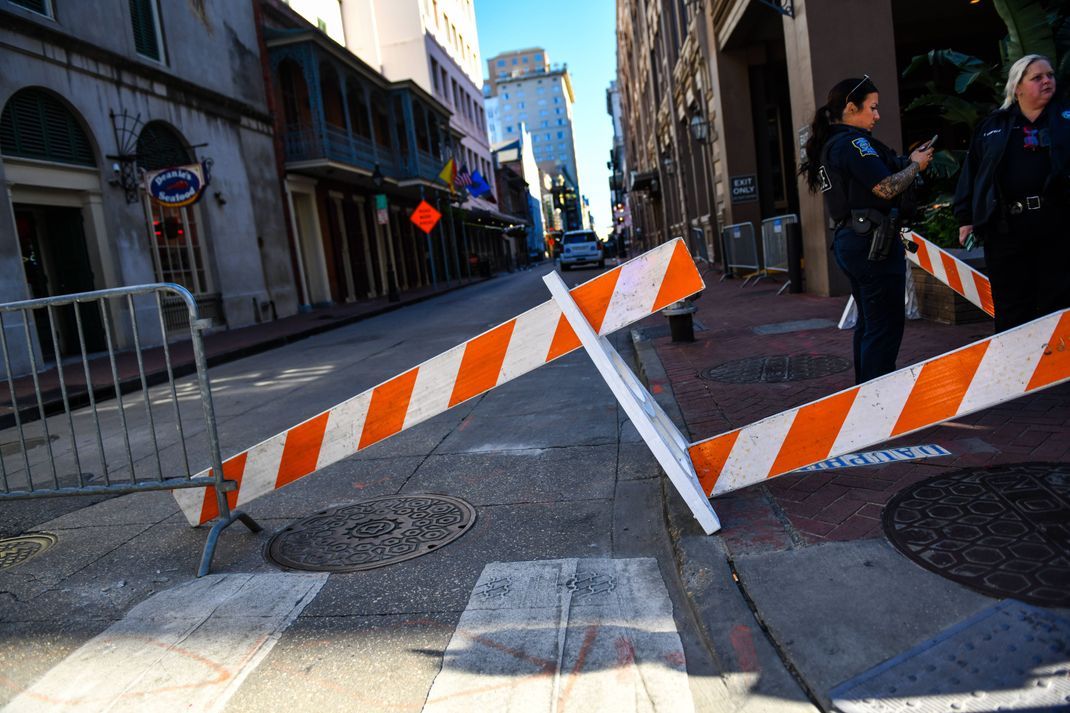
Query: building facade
[517, 156]
[618, 169]
[527, 89]
[719, 94]
[93, 96]
[434, 43]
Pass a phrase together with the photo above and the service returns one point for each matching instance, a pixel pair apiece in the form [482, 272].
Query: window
[41, 7]
[36, 124]
[535, 139]
[514, 60]
[525, 60]
[146, 25]
[560, 122]
[508, 129]
[178, 256]
[557, 100]
[506, 95]
[545, 124]
[520, 105]
[434, 74]
[547, 135]
[501, 62]
[560, 134]
[538, 58]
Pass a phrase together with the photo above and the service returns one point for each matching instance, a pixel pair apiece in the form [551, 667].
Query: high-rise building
[529, 90]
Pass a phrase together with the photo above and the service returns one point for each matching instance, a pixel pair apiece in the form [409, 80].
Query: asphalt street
[553, 469]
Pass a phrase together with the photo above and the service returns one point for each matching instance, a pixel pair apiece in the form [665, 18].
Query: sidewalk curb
[753, 670]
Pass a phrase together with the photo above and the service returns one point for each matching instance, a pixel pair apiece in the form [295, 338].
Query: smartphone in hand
[971, 242]
[929, 144]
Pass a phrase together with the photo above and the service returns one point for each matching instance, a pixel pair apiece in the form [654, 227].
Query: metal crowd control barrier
[775, 245]
[59, 428]
[741, 250]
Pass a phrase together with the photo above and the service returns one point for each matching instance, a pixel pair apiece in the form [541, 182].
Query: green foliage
[1028, 30]
[938, 223]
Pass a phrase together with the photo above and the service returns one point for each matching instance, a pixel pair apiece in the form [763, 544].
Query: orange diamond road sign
[425, 217]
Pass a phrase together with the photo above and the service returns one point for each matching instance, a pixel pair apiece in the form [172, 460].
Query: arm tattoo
[896, 183]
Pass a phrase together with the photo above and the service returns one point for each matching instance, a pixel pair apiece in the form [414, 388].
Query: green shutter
[38, 6]
[143, 17]
[37, 125]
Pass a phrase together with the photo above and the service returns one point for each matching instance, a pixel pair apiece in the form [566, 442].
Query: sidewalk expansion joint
[797, 540]
[788, 665]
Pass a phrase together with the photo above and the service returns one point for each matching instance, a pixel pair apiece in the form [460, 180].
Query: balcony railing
[332, 143]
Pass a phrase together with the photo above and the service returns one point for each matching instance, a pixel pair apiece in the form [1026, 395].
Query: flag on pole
[477, 185]
[464, 178]
[449, 174]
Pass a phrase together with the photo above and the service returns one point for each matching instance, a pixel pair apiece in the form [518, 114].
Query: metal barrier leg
[213, 537]
[783, 287]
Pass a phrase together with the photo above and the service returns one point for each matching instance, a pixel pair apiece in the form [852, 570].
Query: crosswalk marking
[188, 648]
[565, 635]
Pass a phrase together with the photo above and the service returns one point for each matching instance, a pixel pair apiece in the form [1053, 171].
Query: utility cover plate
[1009, 657]
[371, 533]
[777, 369]
[1003, 530]
[16, 550]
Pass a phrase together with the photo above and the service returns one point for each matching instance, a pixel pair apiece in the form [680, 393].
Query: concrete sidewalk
[829, 596]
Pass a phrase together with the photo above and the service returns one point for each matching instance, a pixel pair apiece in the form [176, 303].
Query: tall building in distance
[524, 88]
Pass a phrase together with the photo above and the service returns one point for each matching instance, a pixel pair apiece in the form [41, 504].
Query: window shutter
[39, 126]
[38, 6]
[143, 17]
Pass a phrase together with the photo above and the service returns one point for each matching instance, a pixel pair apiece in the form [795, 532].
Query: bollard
[681, 324]
[795, 273]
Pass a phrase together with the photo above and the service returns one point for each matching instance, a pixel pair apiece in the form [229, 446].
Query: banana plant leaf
[1028, 29]
[955, 110]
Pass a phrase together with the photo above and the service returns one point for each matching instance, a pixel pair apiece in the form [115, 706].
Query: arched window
[36, 124]
[178, 253]
[295, 105]
[159, 146]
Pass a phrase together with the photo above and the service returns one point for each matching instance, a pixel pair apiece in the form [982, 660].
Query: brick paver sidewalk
[801, 509]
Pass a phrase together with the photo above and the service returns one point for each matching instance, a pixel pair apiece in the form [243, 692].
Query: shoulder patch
[823, 176]
[864, 147]
[1066, 114]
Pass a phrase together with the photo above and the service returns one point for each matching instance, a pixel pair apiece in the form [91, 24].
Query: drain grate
[16, 550]
[371, 533]
[1003, 531]
[777, 369]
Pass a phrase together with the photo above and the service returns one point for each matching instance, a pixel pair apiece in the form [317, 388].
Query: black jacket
[977, 200]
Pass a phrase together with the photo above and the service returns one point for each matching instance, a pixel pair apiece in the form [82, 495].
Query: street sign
[744, 188]
[425, 217]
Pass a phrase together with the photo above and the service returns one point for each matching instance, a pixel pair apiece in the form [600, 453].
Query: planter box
[939, 303]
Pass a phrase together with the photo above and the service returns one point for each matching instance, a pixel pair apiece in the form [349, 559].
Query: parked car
[581, 247]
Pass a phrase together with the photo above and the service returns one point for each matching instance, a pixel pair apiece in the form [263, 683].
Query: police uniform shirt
[1027, 157]
[862, 162]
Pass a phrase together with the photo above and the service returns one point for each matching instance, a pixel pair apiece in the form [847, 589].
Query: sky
[581, 34]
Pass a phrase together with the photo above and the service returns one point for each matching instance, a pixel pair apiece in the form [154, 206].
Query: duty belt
[1020, 206]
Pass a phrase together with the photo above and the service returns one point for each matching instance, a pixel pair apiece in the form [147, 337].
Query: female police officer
[1013, 193]
[862, 181]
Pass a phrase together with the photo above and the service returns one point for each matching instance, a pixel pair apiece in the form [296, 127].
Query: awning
[645, 181]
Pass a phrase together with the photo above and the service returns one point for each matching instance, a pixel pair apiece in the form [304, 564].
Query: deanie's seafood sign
[176, 186]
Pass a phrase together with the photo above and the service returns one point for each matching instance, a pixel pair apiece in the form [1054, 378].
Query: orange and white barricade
[991, 371]
[614, 299]
[947, 268]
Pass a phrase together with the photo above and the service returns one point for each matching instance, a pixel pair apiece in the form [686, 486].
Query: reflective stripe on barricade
[1000, 368]
[953, 272]
[610, 301]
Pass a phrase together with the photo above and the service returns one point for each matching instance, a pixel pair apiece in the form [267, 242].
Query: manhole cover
[372, 533]
[777, 369]
[1003, 531]
[16, 550]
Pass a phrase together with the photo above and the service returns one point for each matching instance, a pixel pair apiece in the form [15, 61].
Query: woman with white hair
[1014, 195]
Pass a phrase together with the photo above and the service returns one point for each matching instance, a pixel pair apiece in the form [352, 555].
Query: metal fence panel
[90, 404]
[775, 242]
[740, 246]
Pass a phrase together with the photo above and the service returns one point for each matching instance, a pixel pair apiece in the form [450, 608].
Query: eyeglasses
[865, 78]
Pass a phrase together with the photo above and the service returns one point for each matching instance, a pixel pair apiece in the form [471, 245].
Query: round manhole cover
[371, 533]
[1003, 531]
[777, 369]
[16, 550]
